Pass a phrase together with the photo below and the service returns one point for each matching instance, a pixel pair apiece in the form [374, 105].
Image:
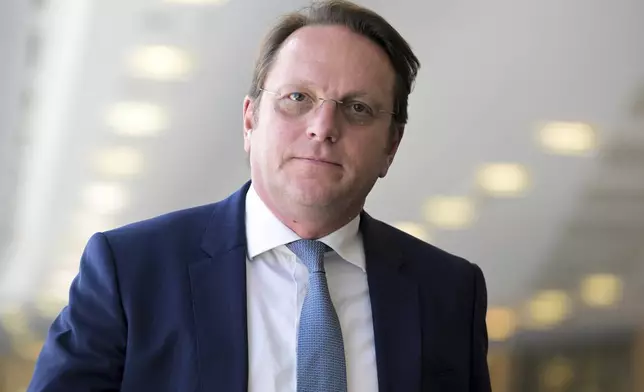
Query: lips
[318, 160]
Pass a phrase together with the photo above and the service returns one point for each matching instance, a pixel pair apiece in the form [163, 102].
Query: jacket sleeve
[85, 346]
[479, 374]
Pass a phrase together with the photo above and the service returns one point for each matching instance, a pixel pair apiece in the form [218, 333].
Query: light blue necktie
[320, 349]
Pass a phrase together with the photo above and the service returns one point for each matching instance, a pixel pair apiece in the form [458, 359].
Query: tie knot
[310, 252]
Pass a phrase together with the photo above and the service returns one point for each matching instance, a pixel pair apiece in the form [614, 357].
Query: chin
[312, 193]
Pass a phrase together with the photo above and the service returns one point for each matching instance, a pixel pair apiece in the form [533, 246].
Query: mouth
[318, 161]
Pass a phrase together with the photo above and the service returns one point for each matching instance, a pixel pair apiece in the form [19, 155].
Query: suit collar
[375, 236]
[226, 229]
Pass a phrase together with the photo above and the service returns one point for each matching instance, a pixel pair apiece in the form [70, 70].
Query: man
[287, 285]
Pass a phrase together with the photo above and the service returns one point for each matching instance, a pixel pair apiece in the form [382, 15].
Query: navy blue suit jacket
[160, 305]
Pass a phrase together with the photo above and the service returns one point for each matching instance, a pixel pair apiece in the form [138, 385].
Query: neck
[311, 222]
[314, 225]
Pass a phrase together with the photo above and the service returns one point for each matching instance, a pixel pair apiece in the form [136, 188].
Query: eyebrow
[310, 85]
[355, 94]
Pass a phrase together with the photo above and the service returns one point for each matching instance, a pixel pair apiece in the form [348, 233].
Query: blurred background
[524, 153]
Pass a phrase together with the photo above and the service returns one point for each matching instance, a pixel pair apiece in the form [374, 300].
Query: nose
[323, 125]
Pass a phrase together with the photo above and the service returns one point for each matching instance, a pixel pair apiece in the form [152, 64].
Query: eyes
[306, 102]
[297, 97]
[360, 107]
[298, 104]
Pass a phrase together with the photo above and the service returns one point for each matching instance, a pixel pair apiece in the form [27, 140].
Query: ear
[249, 121]
[392, 149]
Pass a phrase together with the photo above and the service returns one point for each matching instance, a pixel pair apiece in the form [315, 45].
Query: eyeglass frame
[338, 102]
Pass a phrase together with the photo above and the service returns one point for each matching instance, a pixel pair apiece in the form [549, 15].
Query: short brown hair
[358, 19]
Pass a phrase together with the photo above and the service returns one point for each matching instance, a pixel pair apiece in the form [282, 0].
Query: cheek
[366, 153]
[278, 139]
[285, 132]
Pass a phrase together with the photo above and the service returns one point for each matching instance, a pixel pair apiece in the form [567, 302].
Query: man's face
[314, 153]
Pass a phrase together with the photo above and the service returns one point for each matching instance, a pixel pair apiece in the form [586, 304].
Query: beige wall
[499, 362]
[15, 374]
[638, 362]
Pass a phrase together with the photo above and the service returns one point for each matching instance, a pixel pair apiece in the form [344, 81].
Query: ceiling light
[137, 118]
[556, 374]
[57, 290]
[413, 229]
[549, 308]
[570, 138]
[449, 212]
[601, 290]
[62, 280]
[84, 224]
[120, 161]
[160, 63]
[501, 323]
[503, 179]
[105, 198]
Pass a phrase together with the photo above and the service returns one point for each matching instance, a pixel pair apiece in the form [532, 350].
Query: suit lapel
[218, 284]
[395, 308]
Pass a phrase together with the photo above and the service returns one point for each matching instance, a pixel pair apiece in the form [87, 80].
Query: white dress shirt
[277, 283]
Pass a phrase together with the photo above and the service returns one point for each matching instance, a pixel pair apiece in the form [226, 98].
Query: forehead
[334, 59]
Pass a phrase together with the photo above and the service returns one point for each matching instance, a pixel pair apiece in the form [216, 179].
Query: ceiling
[492, 73]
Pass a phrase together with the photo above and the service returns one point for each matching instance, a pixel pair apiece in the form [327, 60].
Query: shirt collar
[265, 232]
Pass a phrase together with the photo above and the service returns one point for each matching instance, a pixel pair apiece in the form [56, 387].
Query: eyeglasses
[300, 104]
